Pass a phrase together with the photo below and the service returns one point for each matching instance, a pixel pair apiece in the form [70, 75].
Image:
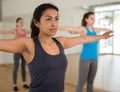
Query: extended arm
[18, 45]
[12, 45]
[74, 30]
[68, 42]
[102, 29]
[7, 32]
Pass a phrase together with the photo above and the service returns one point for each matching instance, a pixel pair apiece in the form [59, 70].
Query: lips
[53, 30]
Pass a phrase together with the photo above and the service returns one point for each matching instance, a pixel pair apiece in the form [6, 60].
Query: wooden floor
[107, 78]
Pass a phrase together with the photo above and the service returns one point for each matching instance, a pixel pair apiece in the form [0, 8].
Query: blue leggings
[17, 58]
[87, 72]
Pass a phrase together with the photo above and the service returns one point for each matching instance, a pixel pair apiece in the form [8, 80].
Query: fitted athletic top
[90, 50]
[47, 71]
[19, 35]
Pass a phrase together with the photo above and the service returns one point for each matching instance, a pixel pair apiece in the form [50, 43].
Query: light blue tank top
[90, 50]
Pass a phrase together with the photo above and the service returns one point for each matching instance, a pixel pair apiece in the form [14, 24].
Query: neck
[44, 39]
[90, 27]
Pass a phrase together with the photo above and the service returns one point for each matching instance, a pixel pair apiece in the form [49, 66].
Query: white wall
[4, 56]
[17, 7]
[70, 15]
[1, 53]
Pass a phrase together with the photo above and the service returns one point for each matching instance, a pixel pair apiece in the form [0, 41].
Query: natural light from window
[107, 8]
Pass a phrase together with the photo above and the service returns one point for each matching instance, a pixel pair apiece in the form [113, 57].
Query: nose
[54, 23]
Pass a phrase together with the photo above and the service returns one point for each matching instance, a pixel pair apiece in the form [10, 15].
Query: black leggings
[17, 58]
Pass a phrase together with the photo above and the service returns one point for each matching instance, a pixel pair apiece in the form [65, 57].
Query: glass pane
[105, 20]
[116, 40]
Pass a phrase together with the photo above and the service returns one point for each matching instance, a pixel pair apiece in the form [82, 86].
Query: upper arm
[8, 31]
[21, 45]
[68, 42]
[16, 45]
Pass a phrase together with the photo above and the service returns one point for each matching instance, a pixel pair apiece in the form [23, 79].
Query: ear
[35, 22]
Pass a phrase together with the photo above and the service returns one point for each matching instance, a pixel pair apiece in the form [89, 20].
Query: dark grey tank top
[47, 71]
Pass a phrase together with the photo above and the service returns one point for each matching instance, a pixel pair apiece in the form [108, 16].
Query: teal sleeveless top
[90, 50]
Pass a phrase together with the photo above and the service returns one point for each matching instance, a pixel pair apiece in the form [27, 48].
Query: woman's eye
[48, 19]
[57, 18]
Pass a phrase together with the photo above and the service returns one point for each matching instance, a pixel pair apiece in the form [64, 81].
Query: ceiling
[82, 3]
[74, 3]
[13, 5]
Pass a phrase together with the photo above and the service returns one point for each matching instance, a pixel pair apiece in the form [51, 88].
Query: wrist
[101, 37]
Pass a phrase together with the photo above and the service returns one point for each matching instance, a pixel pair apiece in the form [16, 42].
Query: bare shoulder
[83, 30]
[82, 27]
[29, 43]
[27, 40]
[27, 31]
[61, 39]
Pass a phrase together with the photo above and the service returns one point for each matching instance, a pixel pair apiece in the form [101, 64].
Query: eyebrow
[50, 16]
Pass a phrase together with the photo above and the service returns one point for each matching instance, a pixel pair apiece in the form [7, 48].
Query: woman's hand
[107, 34]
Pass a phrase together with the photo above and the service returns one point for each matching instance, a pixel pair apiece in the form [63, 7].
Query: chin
[52, 34]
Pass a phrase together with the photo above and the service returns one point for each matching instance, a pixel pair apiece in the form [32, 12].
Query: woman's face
[48, 23]
[20, 23]
[90, 20]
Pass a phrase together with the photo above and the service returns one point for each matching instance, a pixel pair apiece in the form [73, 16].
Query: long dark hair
[37, 15]
[86, 16]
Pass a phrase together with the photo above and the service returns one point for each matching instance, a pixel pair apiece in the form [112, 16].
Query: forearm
[88, 39]
[70, 29]
[106, 29]
[72, 41]
[98, 37]
[102, 29]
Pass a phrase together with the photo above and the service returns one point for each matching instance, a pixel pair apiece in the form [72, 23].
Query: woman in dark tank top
[44, 54]
[51, 74]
